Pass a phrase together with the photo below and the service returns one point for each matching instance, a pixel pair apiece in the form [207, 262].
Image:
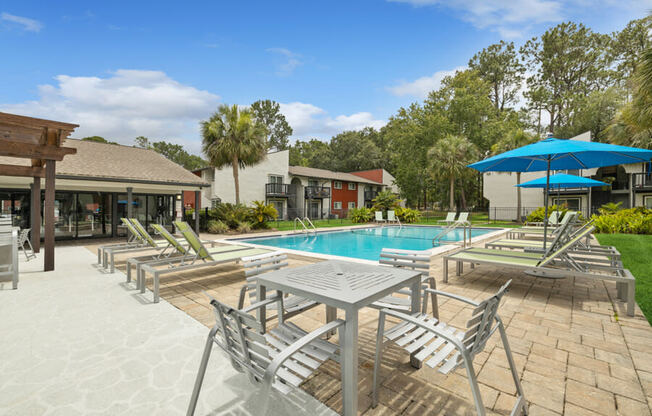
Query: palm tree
[232, 137]
[448, 159]
[514, 140]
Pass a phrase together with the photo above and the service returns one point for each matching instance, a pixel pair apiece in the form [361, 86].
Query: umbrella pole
[545, 219]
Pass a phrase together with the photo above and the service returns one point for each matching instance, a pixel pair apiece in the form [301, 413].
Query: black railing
[278, 189]
[642, 180]
[318, 192]
[370, 195]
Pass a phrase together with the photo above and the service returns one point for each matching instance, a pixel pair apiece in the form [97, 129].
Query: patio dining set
[261, 341]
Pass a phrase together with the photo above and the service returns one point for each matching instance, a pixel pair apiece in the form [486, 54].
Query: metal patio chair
[439, 345]
[256, 265]
[413, 260]
[280, 359]
[23, 238]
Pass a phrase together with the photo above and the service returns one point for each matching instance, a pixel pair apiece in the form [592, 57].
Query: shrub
[231, 214]
[217, 227]
[244, 227]
[361, 215]
[260, 214]
[385, 200]
[610, 207]
[630, 221]
[407, 215]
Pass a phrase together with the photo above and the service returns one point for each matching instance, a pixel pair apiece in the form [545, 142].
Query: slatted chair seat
[413, 260]
[280, 359]
[256, 265]
[439, 345]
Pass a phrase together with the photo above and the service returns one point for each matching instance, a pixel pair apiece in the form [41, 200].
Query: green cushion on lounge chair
[498, 252]
[170, 238]
[143, 232]
[127, 223]
[490, 258]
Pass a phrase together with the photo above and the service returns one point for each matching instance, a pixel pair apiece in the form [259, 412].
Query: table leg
[261, 291]
[349, 363]
[331, 315]
[415, 297]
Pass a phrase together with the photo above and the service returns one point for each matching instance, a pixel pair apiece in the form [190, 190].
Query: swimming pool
[365, 243]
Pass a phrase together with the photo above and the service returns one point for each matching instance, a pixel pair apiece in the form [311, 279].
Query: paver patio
[573, 354]
[81, 332]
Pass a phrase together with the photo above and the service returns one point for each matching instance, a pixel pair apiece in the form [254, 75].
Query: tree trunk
[518, 198]
[463, 198]
[236, 179]
[451, 201]
[539, 123]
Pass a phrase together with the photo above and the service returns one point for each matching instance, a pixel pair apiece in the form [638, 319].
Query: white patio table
[348, 286]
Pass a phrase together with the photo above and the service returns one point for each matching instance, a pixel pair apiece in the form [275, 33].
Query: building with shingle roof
[101, 183]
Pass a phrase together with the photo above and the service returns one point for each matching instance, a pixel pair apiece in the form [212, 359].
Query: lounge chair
[202, 257]
[177, 252]
[133, 240]
[569, 218]
[450, 218]
[553, 220]
[463, 219]
[256, 265]
[540, 265]
[160, 246]
[413, 260]
[379, 217]
[280, 359]
[438, 344]
[392, 218]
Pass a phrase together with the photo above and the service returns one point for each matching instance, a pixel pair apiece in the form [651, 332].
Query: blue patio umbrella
[558, 154]
[562, 181]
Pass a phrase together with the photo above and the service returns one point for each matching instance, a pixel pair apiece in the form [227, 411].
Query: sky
[157, 68]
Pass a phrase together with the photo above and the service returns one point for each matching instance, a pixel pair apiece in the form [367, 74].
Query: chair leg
[433, 298]
[631, 291]
[202, 371]
[520, 400]
[445, 270]
[379, 353]
[156, 287]
[475, 389]
[99, 256]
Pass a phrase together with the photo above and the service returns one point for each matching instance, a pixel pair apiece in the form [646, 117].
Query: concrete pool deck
[75, 341]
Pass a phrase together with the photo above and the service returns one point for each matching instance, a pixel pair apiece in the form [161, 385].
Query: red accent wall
[344, 196]
[189, 196]
[373, 175]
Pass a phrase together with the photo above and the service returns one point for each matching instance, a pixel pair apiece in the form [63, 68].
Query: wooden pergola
[42, 142]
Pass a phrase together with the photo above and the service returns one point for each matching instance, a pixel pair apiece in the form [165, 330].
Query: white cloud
[420, 87]
[309, 121]
[508, 17]
[27, 24]
[289, 60]
[124, 105]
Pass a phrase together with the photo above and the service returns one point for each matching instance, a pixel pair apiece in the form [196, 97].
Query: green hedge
[626, 221]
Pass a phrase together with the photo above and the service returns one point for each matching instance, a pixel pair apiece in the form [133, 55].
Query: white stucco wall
[252, 179]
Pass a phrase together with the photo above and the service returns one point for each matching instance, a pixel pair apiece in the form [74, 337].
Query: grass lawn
[635, 250]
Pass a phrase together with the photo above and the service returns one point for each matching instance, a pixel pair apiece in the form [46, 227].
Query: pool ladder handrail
[453, 226]
[303, 225]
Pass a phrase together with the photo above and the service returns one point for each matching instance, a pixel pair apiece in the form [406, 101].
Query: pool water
[365, 243]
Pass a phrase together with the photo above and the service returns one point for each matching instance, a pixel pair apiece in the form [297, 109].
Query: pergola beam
[28, 171]
[34, 151]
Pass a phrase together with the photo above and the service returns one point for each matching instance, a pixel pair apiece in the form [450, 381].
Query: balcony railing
[318, 192]
[278, 189]
[370, 195]
[642, 180]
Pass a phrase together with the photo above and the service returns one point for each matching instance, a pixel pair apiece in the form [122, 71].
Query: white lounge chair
[450, 219]
[392, 218]
[379, 217]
